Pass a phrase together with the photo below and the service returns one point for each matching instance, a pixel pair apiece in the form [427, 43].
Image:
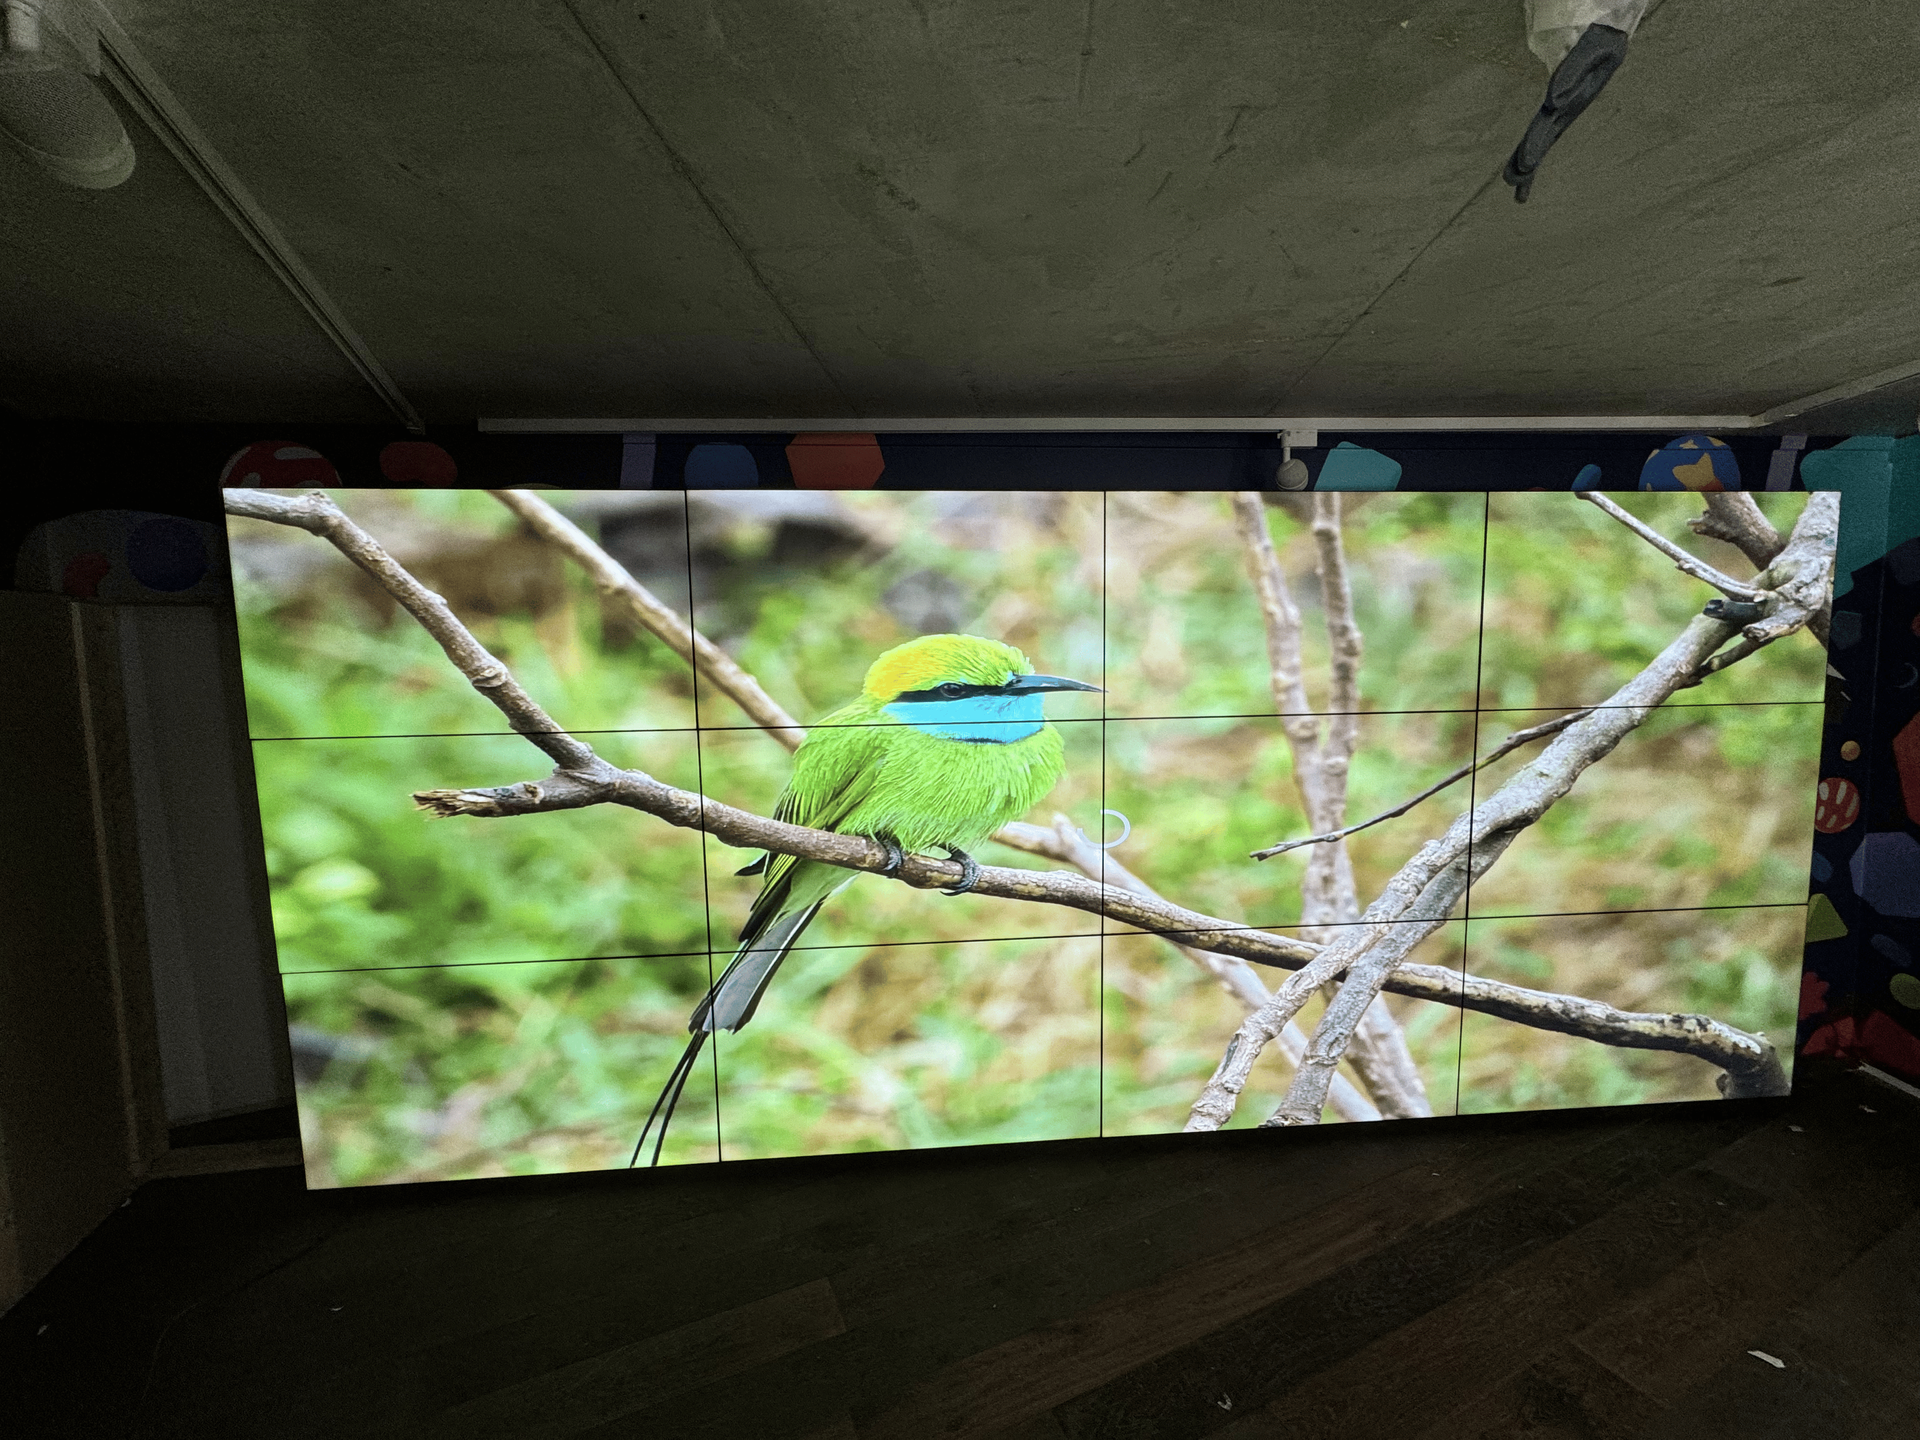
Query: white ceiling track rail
[1127, 424]
[1206, 424]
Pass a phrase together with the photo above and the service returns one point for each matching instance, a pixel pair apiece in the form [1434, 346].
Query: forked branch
[1066, 842]
[1689, 564]
[1322, 755]
[1733, 516]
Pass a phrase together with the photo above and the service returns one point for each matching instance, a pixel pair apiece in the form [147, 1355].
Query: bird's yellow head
[961, 687]
[936, 660]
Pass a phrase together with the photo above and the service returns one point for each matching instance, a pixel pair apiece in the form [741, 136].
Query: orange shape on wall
[1699, 475]
[1836, 805]
[829, 460]
[1906, 755]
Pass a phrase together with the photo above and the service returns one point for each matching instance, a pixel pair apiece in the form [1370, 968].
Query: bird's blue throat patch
[981, 719]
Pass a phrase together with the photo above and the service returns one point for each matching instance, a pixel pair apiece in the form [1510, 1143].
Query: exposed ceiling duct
[50, 110]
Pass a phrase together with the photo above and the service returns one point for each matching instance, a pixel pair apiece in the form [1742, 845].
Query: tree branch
[1343, 636]
[602, 783]
[1321, 759]
[1514, 806]
[1236, 977]
[316, 512]
[1682, 561]
[714, 665]
[1282, 618]
[1800, 576]
[1733, 516]
[1379, 1052]
[583, 778]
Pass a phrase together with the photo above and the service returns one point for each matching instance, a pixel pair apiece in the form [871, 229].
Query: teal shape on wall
[1353, 467]
[1861, 469]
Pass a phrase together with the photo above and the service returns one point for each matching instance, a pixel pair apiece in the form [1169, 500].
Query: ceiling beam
[162, 113]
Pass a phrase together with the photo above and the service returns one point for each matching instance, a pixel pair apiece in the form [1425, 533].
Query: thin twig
[1713, 665]
[1506, 747]
[1282, 618]
[1328, 895]
[1690, 564]
[1344, 644]
[716, 667]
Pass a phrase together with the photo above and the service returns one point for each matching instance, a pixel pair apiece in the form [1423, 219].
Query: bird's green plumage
[866, 770]
[860, 771]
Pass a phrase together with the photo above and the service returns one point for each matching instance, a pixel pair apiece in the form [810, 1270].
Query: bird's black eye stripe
[952, 690]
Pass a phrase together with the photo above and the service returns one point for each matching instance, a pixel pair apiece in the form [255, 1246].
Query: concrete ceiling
[985, 208]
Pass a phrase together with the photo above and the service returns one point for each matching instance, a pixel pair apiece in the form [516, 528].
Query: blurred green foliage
[491, 997]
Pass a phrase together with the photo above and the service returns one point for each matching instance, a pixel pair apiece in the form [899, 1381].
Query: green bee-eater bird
[946, 743]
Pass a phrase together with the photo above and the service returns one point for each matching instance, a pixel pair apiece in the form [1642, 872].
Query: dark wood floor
[1595, 1274]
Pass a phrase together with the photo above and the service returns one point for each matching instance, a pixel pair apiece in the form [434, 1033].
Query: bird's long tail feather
[728, 1006]
[736, 994]
[669, 1098]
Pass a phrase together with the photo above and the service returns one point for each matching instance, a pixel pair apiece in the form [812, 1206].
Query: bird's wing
[833, 773]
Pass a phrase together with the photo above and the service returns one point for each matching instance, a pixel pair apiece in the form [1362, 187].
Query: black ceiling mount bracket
[1580, 77]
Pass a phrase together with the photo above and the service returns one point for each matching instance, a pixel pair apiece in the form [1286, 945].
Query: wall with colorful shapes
[1861, 994]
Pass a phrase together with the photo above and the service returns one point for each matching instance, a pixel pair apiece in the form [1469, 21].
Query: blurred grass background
[496, 997]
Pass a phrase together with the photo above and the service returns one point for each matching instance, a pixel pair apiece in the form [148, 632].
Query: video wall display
[1535, 776]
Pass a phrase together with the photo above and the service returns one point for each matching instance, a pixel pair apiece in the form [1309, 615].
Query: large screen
[1261, 809]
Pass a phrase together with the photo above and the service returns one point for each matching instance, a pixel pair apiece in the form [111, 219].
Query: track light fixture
[50, 109]
[1582, 42]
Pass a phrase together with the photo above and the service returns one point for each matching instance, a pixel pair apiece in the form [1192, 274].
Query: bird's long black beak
[1035, 684]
